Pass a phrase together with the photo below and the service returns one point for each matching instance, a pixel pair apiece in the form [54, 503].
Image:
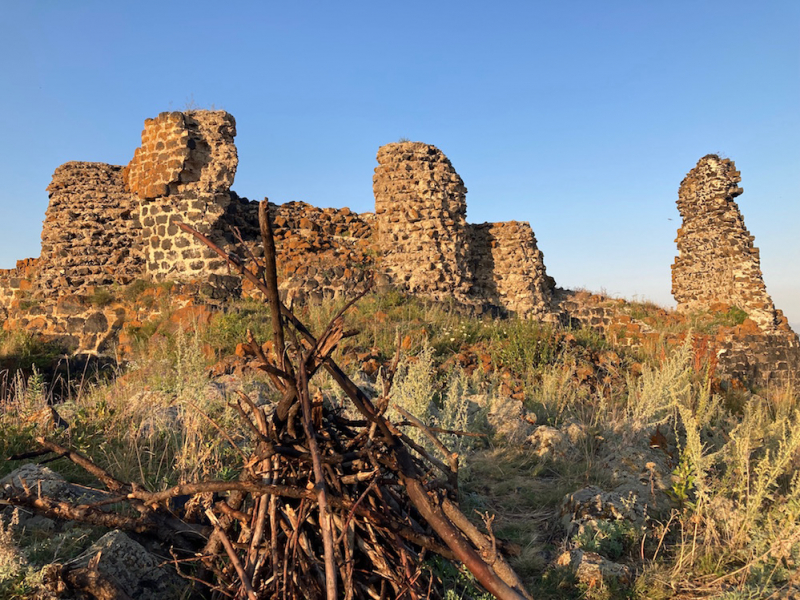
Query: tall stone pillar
[717, 262]
[420, 210]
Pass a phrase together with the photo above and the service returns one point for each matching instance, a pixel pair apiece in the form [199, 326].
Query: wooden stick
[487, 546]
[321, 487]
[226, 543]
[452, 457]
[85, 463]
[271, 280]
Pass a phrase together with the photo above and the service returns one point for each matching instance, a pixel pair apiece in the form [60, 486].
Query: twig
[271, 279]
[322, 492]
[226, 543]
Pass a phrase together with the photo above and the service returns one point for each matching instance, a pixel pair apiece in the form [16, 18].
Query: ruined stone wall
[613, 318]
[420, 210]
[322, 253]
[16, 284]
[508, 268]
[182, 173]
[717, 262]
[91, 234]
[763, 359]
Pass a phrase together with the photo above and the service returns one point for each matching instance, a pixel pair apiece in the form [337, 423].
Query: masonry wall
[717, 262]
[16, 284]
[508, 268]
[182, 173]
[110, 225]
[428, 248]
[91, 234]
[322, 253]
[420, 208]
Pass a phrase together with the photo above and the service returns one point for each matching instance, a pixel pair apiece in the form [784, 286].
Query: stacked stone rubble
[182, 173]
[508, 268]
[420, 210]
[717, 262]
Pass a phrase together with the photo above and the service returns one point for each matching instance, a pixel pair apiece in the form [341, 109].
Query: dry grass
[734, 530]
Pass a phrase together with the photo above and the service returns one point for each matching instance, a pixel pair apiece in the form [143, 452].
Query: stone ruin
[113, 225]
[109, 224]
[718, 268]
[717, 262]
[182, 172]
[427, 247]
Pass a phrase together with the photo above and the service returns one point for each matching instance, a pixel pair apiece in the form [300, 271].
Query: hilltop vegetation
[613, 471]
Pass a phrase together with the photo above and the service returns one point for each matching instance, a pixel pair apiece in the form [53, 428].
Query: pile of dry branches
[326, 505]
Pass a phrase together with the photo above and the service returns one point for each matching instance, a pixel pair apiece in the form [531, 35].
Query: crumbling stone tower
[429, 249]
[91, 230]
[420, 208]
[717, 262]
[183, 173]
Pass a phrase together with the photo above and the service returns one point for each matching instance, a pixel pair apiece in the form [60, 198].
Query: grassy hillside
[693, 491]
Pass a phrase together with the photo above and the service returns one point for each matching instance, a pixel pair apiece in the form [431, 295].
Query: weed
[522, 345]
[612, 539]
[100, 297]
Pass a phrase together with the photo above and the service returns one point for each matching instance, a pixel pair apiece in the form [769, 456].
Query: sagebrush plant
[653, 399]
[414, 390]
[165, 432]
[609, 538]
[453, 413]
[11, 559]
[737, 483]
[553, 393]
[18, 578]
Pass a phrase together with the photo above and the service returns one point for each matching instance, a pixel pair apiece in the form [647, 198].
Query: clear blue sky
[581, 117]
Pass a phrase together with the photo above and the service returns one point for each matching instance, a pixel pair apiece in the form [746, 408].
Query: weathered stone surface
[558, 444]
[508, 269]
[35, 477]
[91, 231]
[719, 267]
[129, 568]
[429, 249]
[421, 208]
[16, 283]
[717, 262]
[42, 479]
[182, 173]
[594, 571]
